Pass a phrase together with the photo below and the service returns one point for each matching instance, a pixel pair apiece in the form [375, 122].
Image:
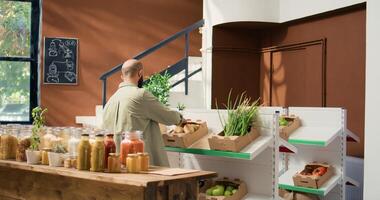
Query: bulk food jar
[131, 144]
[8, 144]
[97, 154]
[23, 144]
[109, 147]
[84, 153]
[73, 142]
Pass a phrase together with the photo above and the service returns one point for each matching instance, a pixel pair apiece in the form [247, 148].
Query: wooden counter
[38, 182]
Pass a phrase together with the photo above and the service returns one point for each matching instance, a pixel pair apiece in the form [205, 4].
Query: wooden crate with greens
[288, 124]
[238, 129]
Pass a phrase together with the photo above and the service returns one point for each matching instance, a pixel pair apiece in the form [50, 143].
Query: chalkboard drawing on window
[61, 61]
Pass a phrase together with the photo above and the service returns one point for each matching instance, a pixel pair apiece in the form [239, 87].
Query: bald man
[134, 108]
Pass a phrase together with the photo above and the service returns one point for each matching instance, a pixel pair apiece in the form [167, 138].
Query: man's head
[132, 72]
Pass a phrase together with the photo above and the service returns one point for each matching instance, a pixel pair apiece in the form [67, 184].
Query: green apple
[227, 193]
[218, 191]
[209, 191]
[234, 191]
[229, 188]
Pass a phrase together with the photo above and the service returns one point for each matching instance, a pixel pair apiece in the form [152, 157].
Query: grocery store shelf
[316, 136]
[286, 147]
[352, 137]
[256, 197]
[248, 153]
[351, 181]
[286, 182]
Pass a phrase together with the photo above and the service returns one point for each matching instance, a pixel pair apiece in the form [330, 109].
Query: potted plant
[238, 129]
[33, 155]
[159, 86]
[56, 155]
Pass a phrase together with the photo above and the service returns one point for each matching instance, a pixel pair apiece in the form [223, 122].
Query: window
[19, 33]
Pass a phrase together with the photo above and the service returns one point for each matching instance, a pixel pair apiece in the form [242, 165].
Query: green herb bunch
[241, 113]
[181, 106]
[59, 148]
[159, 86]
[38, 123]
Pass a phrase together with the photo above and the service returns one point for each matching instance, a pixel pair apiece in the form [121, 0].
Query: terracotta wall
[345, 61]
[109, 32]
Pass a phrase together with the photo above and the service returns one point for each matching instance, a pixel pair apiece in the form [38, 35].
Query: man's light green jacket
[133, 108]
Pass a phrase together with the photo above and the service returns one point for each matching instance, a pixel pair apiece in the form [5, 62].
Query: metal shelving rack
[269, 163]
[322, 138]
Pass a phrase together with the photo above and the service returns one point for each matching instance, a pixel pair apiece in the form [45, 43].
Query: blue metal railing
[172, 70]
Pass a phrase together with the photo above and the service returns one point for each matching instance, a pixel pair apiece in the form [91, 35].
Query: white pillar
[372, 103]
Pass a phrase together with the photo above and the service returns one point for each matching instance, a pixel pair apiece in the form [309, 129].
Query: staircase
[185, 74]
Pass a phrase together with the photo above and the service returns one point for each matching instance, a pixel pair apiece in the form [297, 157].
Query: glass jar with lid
[97, 154]
[74, 141]
[143, 161]
[109, 147]
[84, 153]
[113, 163]
[131, 144]
[8, 143]
[132, 163]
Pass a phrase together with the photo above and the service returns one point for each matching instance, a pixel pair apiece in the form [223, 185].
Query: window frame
[32, 59]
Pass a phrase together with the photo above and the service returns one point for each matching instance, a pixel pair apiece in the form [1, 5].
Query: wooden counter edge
[140, 180]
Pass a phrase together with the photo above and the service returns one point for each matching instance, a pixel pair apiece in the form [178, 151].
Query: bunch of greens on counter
[159, 86]
[59, 148]
[38, 123]
[241, 113]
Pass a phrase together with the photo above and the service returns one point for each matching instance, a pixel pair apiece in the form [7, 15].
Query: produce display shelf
[256, 197]
[316, 136]
[248, 153]
[286, 182]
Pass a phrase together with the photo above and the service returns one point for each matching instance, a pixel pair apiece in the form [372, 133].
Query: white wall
[372, 101]
[295, 9]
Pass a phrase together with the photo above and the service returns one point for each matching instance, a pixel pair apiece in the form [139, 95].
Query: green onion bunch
[241, 113]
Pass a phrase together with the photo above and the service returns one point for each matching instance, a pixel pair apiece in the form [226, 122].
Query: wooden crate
[241, 190]
[185, 140]
[232, 143]
[286, 131]
[311, 181]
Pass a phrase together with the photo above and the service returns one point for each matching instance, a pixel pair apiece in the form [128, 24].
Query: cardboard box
[286, 131]
[232, 143]
[240, 185]
[290, 195]
[184, 140]
[306, 179]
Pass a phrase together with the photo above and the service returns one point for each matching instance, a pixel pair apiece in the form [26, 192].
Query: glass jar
[97, 154]
[113, 163]
[132, 163]
[109, 147]
[117, 138]
[23, 144]
[143, 161]
[131, 144]
[44, 156]
[84, 153]
[73, 142]
[46, 140]
[8, 144]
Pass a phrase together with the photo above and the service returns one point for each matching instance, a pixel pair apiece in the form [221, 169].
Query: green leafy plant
[159, 86]
[241, 113]
[59, 148]
[181, 106]
[38, 123]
